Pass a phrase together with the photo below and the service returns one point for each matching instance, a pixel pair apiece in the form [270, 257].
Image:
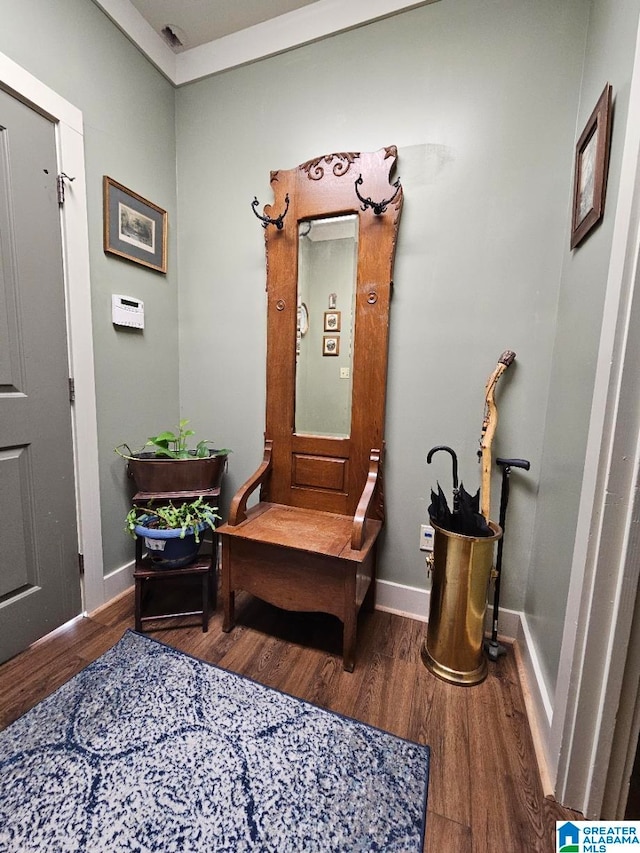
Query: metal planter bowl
[153, 473]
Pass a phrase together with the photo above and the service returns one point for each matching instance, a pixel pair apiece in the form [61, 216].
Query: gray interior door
[39, 577]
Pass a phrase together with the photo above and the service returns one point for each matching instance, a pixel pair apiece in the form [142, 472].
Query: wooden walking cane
[489, 425]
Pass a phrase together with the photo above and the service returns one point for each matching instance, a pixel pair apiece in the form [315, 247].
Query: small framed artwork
[333, 301]
[331, 345]
[332, 321]
[134, 228]
[590, 170]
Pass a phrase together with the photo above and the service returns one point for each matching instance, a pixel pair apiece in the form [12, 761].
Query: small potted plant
[171, 466]
[171, 532]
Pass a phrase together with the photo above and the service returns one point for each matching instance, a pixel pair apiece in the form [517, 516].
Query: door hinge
[81, 564]
[60, 186]
[72, 389]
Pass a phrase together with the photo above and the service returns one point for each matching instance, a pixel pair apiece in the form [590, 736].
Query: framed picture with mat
[590, 170]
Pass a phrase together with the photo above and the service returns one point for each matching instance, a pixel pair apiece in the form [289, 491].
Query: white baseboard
[409, 601]
[412, 602]
[538, 703]
[117, 581]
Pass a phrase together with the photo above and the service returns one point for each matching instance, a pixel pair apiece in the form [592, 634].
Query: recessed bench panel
[319, 472]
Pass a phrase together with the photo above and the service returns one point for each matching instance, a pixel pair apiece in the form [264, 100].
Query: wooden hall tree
[309, 544]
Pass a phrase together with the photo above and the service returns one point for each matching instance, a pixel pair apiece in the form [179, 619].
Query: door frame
[69, 136]
[599, 664]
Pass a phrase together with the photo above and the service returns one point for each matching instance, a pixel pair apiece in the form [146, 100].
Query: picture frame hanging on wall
[332, 321]
[134, 228]
[331, 345]
[590, 170]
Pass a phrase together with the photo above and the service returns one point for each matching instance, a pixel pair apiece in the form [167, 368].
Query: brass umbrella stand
[461, 564]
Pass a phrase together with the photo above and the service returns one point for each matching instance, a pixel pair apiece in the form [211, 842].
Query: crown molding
[127, 18]
[311, 23]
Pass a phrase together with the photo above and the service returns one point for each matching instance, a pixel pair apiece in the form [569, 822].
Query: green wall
[129, 126]
[481, 100]
[609, 57]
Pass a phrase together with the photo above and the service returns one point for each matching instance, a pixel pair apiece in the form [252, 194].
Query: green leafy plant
[182, 517]
[174, 445]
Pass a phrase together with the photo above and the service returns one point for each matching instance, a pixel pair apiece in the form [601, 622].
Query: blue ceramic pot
[166, 548]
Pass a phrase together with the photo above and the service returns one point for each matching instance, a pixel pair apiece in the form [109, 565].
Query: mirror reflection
[327, 264]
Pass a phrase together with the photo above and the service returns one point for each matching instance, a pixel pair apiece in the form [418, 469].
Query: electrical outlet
[344, 373]
[426, 537]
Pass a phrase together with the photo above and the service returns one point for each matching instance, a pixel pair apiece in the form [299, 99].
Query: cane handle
[513, 463]
[489, 424]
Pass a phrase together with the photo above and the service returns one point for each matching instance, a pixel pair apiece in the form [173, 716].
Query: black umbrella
[466, 518]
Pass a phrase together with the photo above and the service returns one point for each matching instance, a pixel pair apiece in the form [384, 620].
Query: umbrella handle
[454, 459]
[489, 424]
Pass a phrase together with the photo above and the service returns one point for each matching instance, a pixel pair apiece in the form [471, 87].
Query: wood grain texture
[484, 790]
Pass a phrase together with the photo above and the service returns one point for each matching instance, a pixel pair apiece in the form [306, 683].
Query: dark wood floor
[484, 790]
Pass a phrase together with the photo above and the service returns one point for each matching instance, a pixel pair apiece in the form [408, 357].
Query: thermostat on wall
[127, 311]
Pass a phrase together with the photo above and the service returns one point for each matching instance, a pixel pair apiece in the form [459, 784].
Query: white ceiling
[220, 34]
[202, 21]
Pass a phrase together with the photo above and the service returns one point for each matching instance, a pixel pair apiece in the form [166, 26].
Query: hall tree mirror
[327, 265]
[310, 542]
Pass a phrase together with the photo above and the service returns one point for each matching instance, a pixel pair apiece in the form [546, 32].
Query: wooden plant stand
[145, 574]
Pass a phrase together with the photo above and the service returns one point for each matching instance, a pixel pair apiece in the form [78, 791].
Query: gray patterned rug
[148, 749]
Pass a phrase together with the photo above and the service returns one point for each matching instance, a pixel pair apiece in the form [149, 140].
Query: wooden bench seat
[303, 559]
[304, 530]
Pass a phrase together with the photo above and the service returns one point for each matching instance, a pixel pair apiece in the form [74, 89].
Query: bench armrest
[238, 508]
[371, 503]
